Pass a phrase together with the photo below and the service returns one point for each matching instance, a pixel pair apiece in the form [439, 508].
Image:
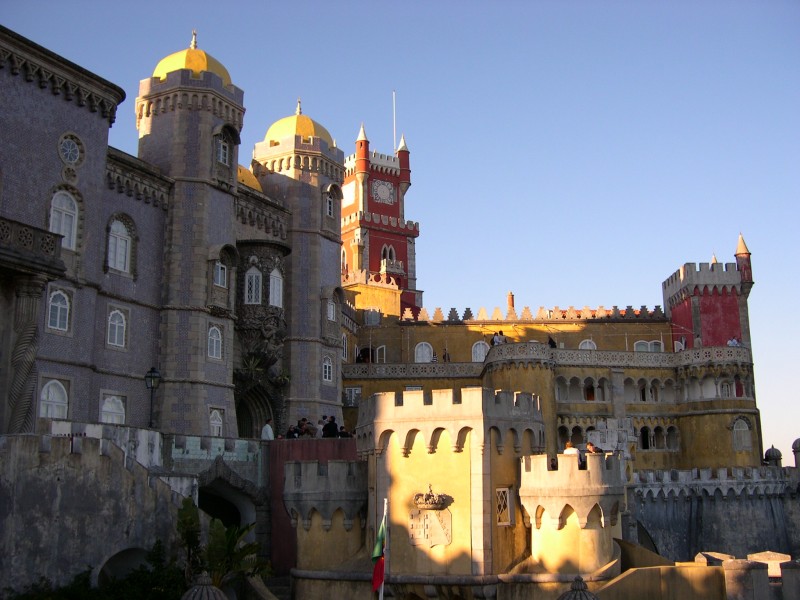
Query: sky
[576, 153]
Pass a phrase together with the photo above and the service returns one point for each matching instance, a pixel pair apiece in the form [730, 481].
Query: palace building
[287, 288]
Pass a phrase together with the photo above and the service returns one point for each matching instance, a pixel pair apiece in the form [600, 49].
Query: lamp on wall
[152, 380]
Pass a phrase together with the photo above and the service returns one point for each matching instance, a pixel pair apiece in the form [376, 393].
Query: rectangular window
[220, 275]
[223, 152]
[331, 310]
[327, 369]
[504, 505]
[329, 206]
[352, 395]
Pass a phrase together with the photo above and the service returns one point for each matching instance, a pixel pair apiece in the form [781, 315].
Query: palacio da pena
[159, 309]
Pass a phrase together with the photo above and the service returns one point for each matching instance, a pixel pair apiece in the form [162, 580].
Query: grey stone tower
[298, 162]
[189, 116]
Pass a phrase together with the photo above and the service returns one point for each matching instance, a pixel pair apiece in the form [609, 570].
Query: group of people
[498, 338]
[734, 341]
[569, 448]
[326, 427]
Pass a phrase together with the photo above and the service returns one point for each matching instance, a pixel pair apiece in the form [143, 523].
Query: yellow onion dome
[246, 177]
[297, 124]
[193, 59]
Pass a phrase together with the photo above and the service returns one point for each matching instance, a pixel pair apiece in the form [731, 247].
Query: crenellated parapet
[549, 488]
[559, 315]
[184, 90]
[703, 276]
[739, 481]
[459, 412]
[379, 163]
[271, 221]
[384, 221]
[325, 488]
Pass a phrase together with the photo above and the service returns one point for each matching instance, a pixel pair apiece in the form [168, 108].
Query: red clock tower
[378, 244]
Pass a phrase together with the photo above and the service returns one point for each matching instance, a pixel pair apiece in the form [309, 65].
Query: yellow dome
[297, 124]
[193, 59]
[246, 177]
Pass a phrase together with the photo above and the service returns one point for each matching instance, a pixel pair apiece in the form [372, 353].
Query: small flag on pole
[378, 558]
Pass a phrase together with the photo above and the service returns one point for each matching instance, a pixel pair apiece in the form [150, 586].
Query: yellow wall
[324, 550]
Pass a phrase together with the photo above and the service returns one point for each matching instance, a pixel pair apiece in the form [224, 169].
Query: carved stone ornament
[431, 500]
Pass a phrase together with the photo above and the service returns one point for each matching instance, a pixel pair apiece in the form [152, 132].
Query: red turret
[743, 262]
[362, 152]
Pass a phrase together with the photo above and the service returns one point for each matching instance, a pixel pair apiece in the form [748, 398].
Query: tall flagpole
[394, 120]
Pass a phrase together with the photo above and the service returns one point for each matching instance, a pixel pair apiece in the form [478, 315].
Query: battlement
[325, 488]
[401, 225]
[570, 314]
[185, 78]
[712, 275]
[548, 486]
[365, 277]
[382, 163]
[513, 415]
[752, 481]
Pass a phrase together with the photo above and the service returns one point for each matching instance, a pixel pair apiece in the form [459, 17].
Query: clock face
[383, 192]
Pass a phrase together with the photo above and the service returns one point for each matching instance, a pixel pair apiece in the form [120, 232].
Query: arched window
[645, 438]
[641, 346]
[659, 438]
[276, 288]
[215, 422]
[587, 345]
[58, 311]
[344, 261]
[742, 435]
[479, 351]
[119, 247]
[252, 286]
[116, 329]
[64, 218]
[423, 353]
[380, 354]
[672, 438]
[53, 401]
[327, 369]
[214, 342]
[112, 410]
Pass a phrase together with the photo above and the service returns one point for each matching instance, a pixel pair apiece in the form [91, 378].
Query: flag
[378, 558]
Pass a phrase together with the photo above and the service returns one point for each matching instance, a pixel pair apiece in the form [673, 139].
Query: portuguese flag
[378, 558]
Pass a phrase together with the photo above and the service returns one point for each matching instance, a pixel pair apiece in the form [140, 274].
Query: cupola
[194, 59]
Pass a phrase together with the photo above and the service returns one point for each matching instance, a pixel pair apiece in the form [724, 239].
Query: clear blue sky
[575, 153]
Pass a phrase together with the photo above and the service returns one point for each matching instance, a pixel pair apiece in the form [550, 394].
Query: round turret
[193, 59]
[773, 457]
[297, 124]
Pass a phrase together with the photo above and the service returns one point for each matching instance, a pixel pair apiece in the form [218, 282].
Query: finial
[298, 110]
[402, 145]
[362, 135]
[714, 258]
[741, 247]
[193, 45]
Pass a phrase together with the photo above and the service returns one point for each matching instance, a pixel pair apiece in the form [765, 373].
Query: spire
[362, 135]
[193, 45]
[402, 145]
[714, 258]
[298, 110]
[741, 247]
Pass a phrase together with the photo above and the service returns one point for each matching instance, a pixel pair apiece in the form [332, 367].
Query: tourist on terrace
[266, 431]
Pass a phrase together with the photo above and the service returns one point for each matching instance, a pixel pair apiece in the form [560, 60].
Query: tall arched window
[327, 369]
[53, 401]
[742, 435]
[214, 342]
[64, 218]
[423, 353]
[215, 422]
[58, 311]
[276, 288]
[116, 329]
[332, 310]
[112, 410]
[252, 286]
[479, 351]
[119, 247]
